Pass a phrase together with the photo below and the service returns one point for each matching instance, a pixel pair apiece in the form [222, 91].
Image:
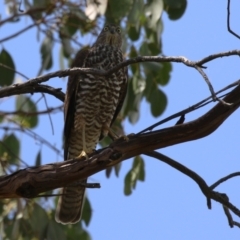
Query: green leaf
[76, 19]
[66, 47]
[158, 73]
[154, 35]
[55, 231]
[144, 50]
[153, 71]
[132, 104]
[150, 87]
[84, 235]
[26, 105]
[134, 32]
[136, 12]
[175, 8]
[38, 219]
[117, 168]
[108, 172]
[154, 48]
[133, 53]
[117, 10]
[15, 233]
[137, 172]
[10, 148]
[138, 83]
[153, 12]
[7, 75]
[164, 74]
[127, 184]
[76, 231]
[1, 118]
[158, 102]
[46, 52]
[38, 159]
[72, 23]
[40, 4]
[87, 212]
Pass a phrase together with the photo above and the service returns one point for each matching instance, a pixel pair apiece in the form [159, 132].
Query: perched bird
[92, 103]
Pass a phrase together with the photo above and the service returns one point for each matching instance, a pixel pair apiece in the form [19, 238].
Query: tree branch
[206, 190]
[34, 84]
[32, 181]
[30, 87]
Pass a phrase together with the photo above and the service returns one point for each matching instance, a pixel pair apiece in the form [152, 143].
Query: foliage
[69, 24]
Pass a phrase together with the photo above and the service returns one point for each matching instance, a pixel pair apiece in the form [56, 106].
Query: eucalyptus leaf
[158, 102]
[38, 219]
[26, 105]
[153, 12]
[46, 52]
[134, 32]
[7, 68]
[10, 148]
[137, 172]
[136, 12]
[133, 54]
[87, 212]
[116, 10]
[38, 159]
[175, 8]
[55, 231]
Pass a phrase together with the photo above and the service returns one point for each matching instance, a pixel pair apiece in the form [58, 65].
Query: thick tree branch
[31, 182]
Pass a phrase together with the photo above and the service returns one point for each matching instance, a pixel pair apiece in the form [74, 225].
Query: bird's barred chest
[98, 96]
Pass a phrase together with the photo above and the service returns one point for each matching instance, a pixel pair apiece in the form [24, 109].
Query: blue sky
[168, 205]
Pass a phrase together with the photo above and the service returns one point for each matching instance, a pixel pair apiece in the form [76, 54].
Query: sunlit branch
[63, 73]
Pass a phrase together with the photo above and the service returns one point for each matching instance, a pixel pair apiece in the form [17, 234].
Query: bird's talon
[83, 154]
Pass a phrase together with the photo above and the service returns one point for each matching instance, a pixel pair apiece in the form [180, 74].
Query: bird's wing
[122, 96]
[69, 103]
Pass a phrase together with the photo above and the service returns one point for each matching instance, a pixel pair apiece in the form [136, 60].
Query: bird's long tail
[70, 204]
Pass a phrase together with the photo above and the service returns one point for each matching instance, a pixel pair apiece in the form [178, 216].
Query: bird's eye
[118, 30]
[105, 29]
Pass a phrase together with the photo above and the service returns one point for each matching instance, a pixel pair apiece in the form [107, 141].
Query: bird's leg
[84, 151]
[113, 135]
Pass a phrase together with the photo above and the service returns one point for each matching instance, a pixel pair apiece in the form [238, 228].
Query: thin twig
[34, 136]
[198, 105]
[18, 33]
[228, 21]
[47, 111]
[205, 77]
[206, 190]
[232, 175]
[49, 116]
[17, 15]
[7, 67]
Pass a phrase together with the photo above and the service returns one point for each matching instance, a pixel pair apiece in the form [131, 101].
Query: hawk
[92, 103]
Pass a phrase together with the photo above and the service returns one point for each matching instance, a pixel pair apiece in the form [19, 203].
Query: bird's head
[110, 35]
